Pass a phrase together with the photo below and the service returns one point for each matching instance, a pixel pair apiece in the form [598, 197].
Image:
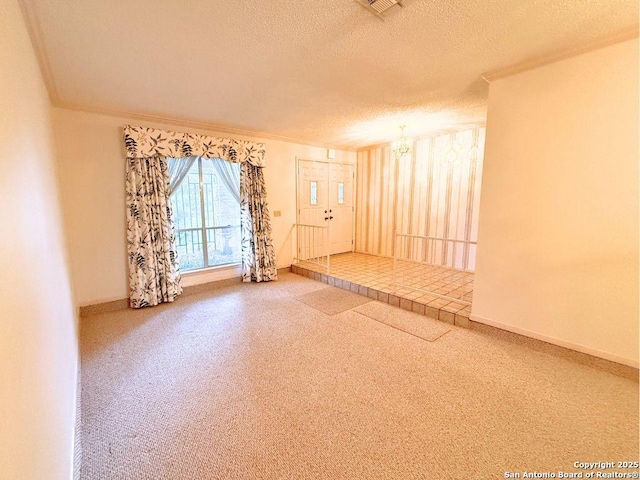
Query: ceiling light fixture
[461, 152]
[402, 146]
[381, 8]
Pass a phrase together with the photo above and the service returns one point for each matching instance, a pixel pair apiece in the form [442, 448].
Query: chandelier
[402, 146]
[461, 152]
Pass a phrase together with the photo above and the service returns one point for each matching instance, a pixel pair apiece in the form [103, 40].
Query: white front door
[341, 211]
[325, 198]
[313, 208]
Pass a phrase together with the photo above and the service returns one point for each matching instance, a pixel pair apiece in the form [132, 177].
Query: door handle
[328, 218]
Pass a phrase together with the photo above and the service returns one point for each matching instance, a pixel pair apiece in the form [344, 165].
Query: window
[206, 215]
[314, 193]
[341, 193]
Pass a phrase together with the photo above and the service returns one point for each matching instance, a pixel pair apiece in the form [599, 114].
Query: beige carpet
[246, 382]
[332, 300]
[412, 323]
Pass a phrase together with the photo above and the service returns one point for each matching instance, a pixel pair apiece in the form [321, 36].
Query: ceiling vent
[381, 8]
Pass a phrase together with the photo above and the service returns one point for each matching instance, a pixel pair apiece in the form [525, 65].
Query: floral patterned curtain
[258, 255]
[154, 276]
[143, 142]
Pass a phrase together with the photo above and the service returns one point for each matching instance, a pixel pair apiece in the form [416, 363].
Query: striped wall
[435, 193]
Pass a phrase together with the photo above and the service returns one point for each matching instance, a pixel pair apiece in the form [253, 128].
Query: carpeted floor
[412, 323]
[248, 382]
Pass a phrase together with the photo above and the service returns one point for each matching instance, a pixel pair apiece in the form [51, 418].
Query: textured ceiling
[327, 72]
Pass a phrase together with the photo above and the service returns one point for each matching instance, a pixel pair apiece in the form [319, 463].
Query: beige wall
[38, 341]
[436, 194]
[92, 170]
[558, 237]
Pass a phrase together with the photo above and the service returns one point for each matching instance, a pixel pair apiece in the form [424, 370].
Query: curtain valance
[145, 142]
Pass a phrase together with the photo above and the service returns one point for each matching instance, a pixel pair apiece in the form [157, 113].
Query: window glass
[206, 211]
[222, 211]
[341, 193]
[187, 220]
[314, 193]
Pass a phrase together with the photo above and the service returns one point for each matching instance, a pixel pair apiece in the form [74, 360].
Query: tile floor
[437, 292]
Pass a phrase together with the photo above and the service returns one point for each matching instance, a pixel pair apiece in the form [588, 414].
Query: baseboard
[100, 301]
[557, 342]
[123, 303]
[105, 307]
[76, 443]
[214, 285]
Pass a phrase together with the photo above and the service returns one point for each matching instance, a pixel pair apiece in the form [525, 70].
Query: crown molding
[628, 33]
[173, 121]
[33, 29]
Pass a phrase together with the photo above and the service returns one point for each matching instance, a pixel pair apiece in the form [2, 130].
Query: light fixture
[381, 8]
[402, 146]
[462, 152]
